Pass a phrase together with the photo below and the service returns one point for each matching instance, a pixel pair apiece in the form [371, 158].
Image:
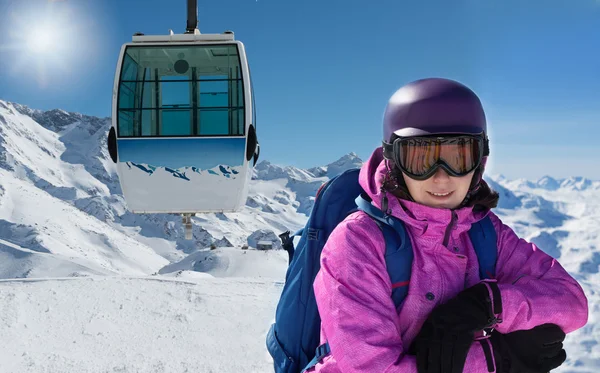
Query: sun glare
[43, 40]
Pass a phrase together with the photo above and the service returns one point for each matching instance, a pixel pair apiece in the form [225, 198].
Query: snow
[47, 224]
[128, 324]
[87, 286]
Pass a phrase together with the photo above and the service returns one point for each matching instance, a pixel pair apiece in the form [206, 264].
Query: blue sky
[323, 70]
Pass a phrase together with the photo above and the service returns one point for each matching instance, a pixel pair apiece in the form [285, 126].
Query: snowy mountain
[184, 172]
[91, 287]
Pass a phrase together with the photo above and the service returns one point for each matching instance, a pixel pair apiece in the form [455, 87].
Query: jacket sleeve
[534, 287]
[358, 316]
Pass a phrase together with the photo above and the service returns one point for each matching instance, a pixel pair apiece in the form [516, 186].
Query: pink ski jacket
[365, 331]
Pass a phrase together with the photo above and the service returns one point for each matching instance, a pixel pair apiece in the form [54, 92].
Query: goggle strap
[388, 150]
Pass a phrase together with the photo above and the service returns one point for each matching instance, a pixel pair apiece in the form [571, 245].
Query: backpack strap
[484, 239]
[287, 242]
[362, 201]
[322, 351]
[398, 257]
[398, 249]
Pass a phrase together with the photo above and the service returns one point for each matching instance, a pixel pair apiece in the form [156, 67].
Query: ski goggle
[420, 157]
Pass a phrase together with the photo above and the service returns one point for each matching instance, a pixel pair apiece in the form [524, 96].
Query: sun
[42, 41]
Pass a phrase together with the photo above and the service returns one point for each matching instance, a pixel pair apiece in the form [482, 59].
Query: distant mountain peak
[548, 183]
[56, 119]
[578, 183]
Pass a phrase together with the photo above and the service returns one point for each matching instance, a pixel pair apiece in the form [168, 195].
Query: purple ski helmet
[436, 106]
[433, 106]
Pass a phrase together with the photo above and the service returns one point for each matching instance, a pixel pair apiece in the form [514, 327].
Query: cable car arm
[192, 16]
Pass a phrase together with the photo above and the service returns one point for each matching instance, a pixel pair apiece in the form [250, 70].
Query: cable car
[183, 131]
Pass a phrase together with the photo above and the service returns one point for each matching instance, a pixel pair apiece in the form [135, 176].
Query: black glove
[444, 341]
[440, 351]
[470, 311]
[537, 350]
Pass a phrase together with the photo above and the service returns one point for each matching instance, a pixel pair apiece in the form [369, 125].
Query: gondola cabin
[183, 130]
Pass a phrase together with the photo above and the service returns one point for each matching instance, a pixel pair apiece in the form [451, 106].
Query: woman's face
[441, 190]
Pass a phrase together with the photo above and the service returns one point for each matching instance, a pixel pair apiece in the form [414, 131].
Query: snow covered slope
[129, 324]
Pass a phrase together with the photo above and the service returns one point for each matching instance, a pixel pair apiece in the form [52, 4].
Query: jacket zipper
[450, 227]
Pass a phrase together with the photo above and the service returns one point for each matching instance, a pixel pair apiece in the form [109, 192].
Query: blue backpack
[293, 340]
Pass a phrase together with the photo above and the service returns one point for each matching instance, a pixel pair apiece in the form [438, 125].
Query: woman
[429, 174]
